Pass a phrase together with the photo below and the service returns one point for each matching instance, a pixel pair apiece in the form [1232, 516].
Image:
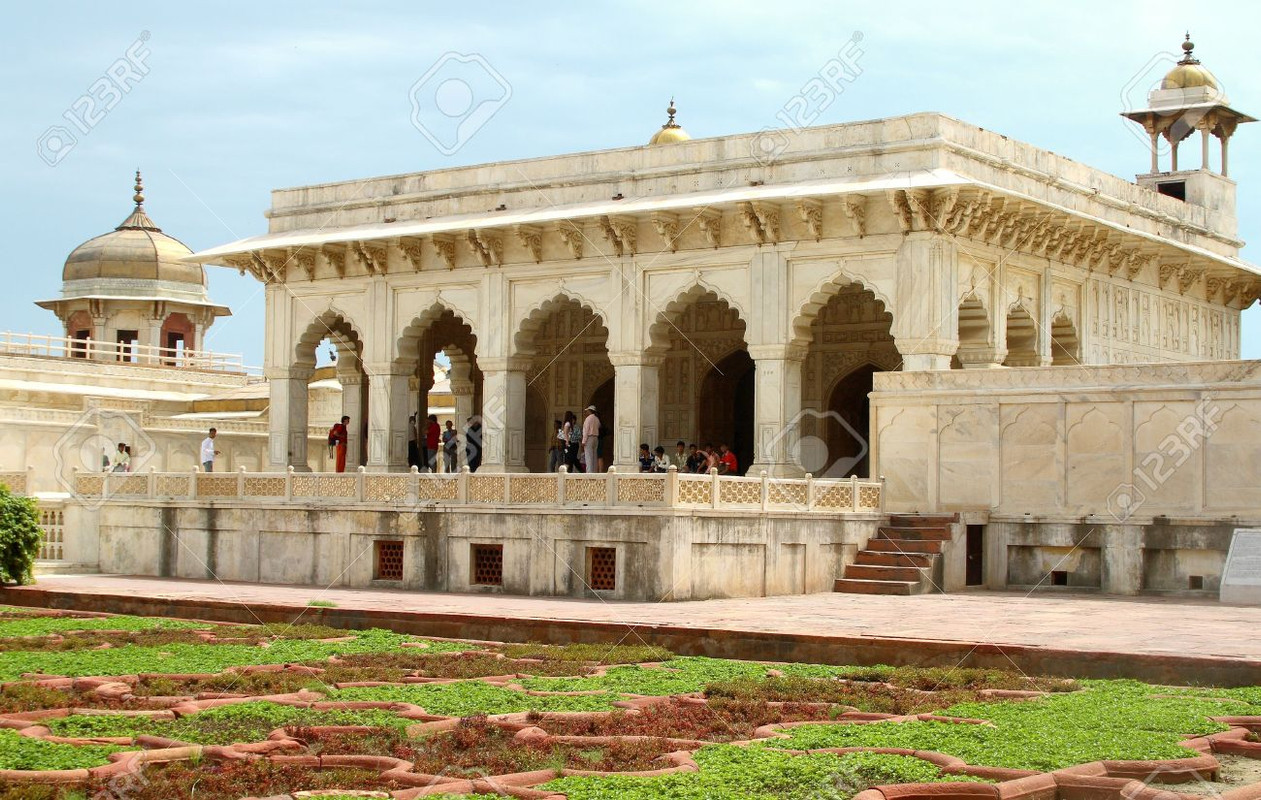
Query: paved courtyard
[1148, 626]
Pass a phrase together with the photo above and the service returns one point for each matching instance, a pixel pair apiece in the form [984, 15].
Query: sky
[224, 102]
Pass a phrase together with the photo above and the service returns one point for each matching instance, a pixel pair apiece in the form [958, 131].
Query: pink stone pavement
[1086, 623]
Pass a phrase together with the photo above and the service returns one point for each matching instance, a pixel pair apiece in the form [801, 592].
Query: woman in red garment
[337, 437]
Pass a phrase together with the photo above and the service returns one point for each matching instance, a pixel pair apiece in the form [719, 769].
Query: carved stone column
[503, 414]
[925, 320]
[353, 406]
[776, 409]
[986, 357]
[636, 396]
[287, 418]
[462, 390]
[388, 393]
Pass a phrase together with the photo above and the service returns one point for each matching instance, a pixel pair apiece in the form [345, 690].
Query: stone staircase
[904, 557]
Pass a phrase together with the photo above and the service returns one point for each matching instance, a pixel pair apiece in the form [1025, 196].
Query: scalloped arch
[823, 293]
[659, 330]
[333, 324]
[409, 340]
[522, 341]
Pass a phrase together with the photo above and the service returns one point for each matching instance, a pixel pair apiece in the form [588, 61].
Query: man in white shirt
[208, 452]
[591, 439]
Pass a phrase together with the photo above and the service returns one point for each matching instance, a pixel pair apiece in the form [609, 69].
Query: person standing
[208, 451]
[591, 439]
[413, 450]
[450, 447]
[570, 439]
[473, 443]
[433, 442]
[122, 461]
[338, 437]
[555, 453]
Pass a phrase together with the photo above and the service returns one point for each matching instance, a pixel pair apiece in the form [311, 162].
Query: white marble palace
[909, 315]
[701, 290]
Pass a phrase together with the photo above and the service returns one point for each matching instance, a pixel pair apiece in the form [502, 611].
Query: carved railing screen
[556, 490]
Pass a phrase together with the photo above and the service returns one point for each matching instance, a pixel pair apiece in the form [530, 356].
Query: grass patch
[681, 675]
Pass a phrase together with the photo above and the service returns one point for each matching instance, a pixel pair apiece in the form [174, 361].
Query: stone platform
[1160, 640]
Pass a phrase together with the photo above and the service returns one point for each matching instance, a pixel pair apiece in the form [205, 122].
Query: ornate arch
[659, 331]
[335, 325]
[1065, 343]
[823, 293]
[523, 340]
[439, 316]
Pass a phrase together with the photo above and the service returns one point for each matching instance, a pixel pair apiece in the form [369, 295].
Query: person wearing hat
[591, 439]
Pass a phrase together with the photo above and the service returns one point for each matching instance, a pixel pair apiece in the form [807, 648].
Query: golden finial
[1187, 47]
[139, 196]
[670, 123]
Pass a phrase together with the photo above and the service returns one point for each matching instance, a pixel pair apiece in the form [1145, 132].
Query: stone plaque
[1241, 579]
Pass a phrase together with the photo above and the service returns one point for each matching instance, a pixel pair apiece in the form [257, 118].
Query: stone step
[904, 545]
[920, 534]
[922, 520]
[876, 572]
[895, 559]
[859, 586]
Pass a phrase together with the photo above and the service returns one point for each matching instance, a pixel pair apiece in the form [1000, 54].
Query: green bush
[20, 537]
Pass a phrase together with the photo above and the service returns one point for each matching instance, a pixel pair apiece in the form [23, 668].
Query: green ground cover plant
[472, 697]
[23, 752]
[243, 722]
[42, 626]
[184, 657]
[1107, 720]
[734, 773]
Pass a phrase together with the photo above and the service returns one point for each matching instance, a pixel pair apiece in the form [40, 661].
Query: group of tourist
[689, 458]
[574, 446]
[422, 449]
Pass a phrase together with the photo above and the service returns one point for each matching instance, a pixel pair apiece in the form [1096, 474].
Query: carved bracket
[621, 232]
[667, 227]
[532, 239]
[572, 237]
[811, 213]
[372, 256]
[710, 223]
[444, 246]
[488, 246]
[856, 209]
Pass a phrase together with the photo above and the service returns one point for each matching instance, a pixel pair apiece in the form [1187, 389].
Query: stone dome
[1189, 72]
[137, 250]
[670, 131]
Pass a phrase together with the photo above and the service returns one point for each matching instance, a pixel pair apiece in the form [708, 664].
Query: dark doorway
[726, 407]
[602, 399]
[127, 345]
[848, 425]
[975, 570]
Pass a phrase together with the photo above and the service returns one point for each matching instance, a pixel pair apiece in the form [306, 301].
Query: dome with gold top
[1189, 72]
[670, 132]
[133, 256]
